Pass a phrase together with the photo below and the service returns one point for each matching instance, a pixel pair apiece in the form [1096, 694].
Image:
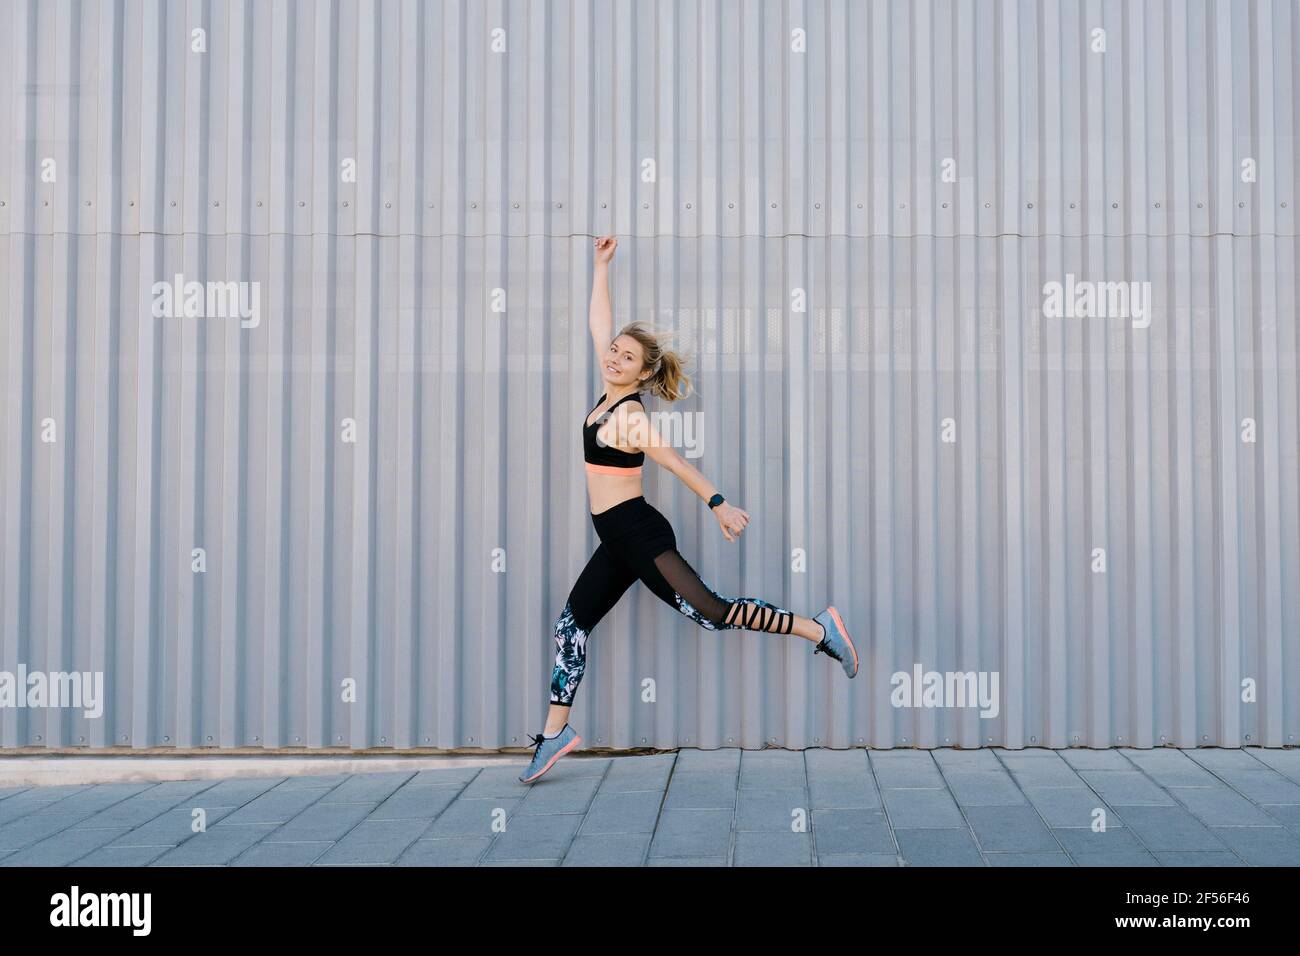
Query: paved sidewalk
[988, 807]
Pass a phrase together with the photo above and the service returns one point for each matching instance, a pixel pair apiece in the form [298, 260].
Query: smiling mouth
[610, 368]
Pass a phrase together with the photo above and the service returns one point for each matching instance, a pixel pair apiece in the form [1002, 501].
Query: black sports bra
[606, 459]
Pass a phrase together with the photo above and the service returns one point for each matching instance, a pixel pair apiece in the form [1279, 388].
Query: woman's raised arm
[601, 318]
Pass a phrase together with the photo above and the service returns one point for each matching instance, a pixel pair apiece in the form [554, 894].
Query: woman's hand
[605, 246]
[732, 519]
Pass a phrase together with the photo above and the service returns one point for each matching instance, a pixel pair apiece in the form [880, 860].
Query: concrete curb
[65, 771]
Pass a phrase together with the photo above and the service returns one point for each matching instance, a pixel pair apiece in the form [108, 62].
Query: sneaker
[549, 750]
[836, 643]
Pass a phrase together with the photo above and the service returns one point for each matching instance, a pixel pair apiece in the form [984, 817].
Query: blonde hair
[669, 380]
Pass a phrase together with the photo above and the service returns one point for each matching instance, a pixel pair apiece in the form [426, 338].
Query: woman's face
[623, 362]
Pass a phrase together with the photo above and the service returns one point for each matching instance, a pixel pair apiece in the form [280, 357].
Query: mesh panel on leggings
[713, 611]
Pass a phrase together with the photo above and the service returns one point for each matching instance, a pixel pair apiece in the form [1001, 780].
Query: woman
[636, 541]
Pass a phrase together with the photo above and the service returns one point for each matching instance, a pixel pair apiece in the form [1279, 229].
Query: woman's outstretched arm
[633, 431]
[601, 316]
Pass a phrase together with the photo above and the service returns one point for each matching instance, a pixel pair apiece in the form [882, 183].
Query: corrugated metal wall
[944, 456]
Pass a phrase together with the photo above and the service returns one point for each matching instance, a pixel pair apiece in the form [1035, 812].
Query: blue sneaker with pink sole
[836, 643]
[549, 750]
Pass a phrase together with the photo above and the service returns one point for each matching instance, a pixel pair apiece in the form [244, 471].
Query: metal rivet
[389, 205]
[860, 205]
[83, 739]
[645, 205]
[473, 205]
[345, 203]
[1071, 205]
[1033, 740]
[301, 203]
[559, 205]
[131, 203]
[383, 740]
[1029, 205]
[430, 205]
[773, 205]
[38, 736]
[87, 202]
[296, 739]
[173, 202]
[1200, 205]
[1114, 205]
[945, 205]
[902, 205]
[1241, 205]
[516, 205]
[165, 737]
[986, 205]
[1283, 205]
[1157, 205]
[602, 205]
[817, 205]
[688, 205]
[46, 202]
[215, 203]
[209, 736]
[731, 205]
[256, 739]
[259, 202]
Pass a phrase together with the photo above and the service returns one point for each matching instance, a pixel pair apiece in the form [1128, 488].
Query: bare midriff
[606, 490]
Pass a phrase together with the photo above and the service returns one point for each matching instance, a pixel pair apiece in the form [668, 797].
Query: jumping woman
[636, 541]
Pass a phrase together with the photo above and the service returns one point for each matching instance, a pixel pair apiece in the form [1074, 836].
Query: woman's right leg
[601, 583]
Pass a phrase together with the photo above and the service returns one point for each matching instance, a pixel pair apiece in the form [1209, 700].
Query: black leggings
[637, 542]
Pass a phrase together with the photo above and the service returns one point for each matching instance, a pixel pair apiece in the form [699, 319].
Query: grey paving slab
[10, 791]
[922, 808]
[24, 831]
[843, 791]
[479, 818]
[171, 827]
[1018, 829]
[1171, 768]
[33, 800]
[838, 832]
[702, 791]
[413, 802]
[823, 760]
[456, 777]
[95, 798]
[706, 761]
[1268, 786]
[858, 859]
[611, 849]
[321, 823]
[237, 791]
[1198, 858]
[1085, 840]
[314, 781]
[1287, 814]
[1071, 806]
[122, 856]
[274, 806]
[687, 861]
[563, 795]
[1126, 788]
[1262, 846]
[536, 837]
[1124, 859]
[772, 810]
[217, 847]
[1040, 772]
[938, 847]
[891, 774]
[445, 851]
[981, 788]
[1216, 759]
[282, 854]
[967, 761]
[61, 849]
[622, 813]
[692, 833]
[772, 770]
[1222, 806]
[1285, 762]
[373, 842]
[1028, 859]
[1170, 828]
[769, 848]
[1083, 758]
[367, 788]
[641, 773]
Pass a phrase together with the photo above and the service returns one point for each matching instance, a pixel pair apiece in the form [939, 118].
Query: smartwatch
[716, 500]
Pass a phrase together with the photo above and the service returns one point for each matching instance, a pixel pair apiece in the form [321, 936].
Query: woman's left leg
[677, 584]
